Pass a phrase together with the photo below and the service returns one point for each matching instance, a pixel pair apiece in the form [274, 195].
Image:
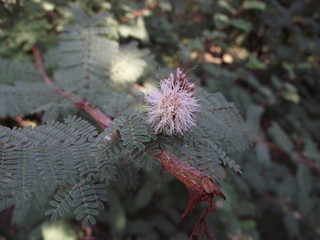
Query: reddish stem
[139, 12]
[21, 121]
[39, 64]
[95, 113]
[201, 225]
[302, 159]
[88, 233]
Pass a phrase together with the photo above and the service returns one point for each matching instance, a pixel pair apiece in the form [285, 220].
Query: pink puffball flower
[171, 109]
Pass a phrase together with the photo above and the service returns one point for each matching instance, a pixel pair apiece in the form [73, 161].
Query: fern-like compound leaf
[146, 157]
[87, 200]
[85, 53]
[24, 99]
[60, 154]
[61, 203]
[220, 121]
[134, 133]
[13, 71]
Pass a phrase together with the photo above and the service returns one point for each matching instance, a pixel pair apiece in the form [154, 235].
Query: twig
[95, 113]
[39, 64]
[302, 159]
[201, 225]
[88, 233]
[21, 121]
[138, 12]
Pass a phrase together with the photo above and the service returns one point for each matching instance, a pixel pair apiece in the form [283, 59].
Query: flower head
[171, 109]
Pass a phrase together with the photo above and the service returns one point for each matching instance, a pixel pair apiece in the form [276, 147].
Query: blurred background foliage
[263, 55]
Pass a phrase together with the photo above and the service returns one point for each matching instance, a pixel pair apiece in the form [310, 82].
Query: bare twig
[201, 225]
[88, 233]
[95, 113]
[139, 12]
[302, 159]
[39, 64]
[21, 121]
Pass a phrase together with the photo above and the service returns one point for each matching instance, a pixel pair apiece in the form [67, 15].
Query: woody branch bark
[201, 187]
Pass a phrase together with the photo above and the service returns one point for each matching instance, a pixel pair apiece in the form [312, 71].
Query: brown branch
[201, 187]
[302, 159]
[138, 13]
[103, 120]
[88, 233]
[201, 225]
[21, 121]
[39, 64]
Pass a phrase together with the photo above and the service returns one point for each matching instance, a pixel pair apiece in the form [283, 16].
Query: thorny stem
[201, 225]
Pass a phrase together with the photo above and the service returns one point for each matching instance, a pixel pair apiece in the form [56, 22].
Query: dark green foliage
[6, 200]
[13, 71]
[85, 198]
[134, 134]
[145, 157]
[84, 55]
[129, 175]
[202, 156]
[60, 154]
[261, 55]
[130, 134]
[220, 121]
[62, 202]
[24, 99]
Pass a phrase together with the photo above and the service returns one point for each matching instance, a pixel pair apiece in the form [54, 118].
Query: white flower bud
[171, 110]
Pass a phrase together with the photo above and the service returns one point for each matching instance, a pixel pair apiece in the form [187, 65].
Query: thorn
[194, 198]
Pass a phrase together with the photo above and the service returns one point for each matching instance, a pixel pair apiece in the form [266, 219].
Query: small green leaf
[224, 4]
[141, 138]
[292, 225]
[263, 153]
[311, 150]
[248, 225]
[140, 146]
[241, 24]
[254, 63]
[280, 137]
[49, 212]
[220, 20]
[130, 147]
[251, 4]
